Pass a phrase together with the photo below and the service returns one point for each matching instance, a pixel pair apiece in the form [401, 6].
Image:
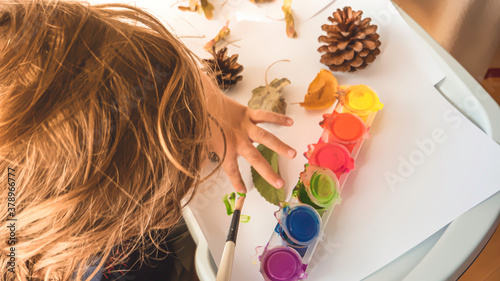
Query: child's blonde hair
[103, 118]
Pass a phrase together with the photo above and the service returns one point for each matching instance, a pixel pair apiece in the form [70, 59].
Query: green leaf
[269, 97]
[269, 192]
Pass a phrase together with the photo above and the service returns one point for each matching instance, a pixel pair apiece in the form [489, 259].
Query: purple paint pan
[282, 263]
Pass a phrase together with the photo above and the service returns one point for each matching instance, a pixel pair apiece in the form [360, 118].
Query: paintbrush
[226, 262]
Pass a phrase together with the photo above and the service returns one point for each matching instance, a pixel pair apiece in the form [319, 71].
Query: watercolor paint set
[302, 219]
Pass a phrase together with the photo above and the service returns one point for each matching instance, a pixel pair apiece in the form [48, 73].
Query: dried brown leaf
[290, 25]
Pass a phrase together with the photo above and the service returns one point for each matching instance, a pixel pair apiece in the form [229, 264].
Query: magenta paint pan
[282, 263]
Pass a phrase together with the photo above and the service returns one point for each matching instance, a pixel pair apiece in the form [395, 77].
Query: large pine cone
[225, 69]
[352, 43]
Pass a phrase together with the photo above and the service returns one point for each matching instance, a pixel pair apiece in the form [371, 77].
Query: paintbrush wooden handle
[226, 263]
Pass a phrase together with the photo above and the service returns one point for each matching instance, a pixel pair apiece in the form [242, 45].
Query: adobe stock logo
[423, 149]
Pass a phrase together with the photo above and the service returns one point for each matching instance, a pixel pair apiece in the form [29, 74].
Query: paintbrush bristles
[239, 203]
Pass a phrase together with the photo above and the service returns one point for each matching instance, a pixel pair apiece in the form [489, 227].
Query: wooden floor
[486, 267]
[492, 86]
[491, 83]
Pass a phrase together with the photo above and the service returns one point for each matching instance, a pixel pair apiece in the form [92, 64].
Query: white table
[447, 253]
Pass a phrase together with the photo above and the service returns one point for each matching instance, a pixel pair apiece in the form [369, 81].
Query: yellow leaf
[207, 8]
[322, 92]
[222, 33]
[203, 7]
[185, 9]
[193, 5]
[290, 26]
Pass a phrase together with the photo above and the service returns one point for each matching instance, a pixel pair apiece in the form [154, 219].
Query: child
[105, 123]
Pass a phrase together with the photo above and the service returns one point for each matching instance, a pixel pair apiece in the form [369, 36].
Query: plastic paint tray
[279, 239]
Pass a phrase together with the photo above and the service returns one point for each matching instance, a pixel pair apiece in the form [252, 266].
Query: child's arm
[239, 125]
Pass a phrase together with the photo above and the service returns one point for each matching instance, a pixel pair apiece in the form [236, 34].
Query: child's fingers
[264, 137]
[259, 163]
[260, 116]
[232, 169]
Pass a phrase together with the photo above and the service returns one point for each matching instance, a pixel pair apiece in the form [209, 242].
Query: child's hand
[239, 125]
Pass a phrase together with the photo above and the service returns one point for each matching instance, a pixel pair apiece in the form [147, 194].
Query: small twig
[192, 36]
[265, 75]
[224, 3]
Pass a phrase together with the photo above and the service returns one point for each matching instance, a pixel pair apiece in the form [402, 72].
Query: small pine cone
[225, 69]
[352, 43]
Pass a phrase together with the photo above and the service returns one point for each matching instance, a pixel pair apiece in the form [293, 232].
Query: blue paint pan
[301, 224]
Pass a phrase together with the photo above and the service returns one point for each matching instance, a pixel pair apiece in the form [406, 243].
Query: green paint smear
[244, 218]
[230, 203]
